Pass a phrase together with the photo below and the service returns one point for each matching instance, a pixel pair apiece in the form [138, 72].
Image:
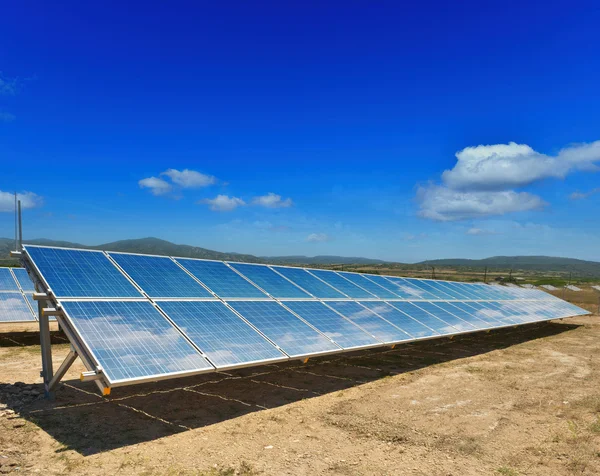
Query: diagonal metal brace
[62, 370]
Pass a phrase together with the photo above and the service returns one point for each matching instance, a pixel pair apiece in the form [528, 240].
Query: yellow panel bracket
[305, 361]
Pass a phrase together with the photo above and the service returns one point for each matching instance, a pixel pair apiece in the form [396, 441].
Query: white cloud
[480, 231]
[189, 178]
[28, 200]
[272, 200]
[443, 204]
[223, 203]
[506, 166]
[156, 185]
[6, 117]
[483, 180]
[583, 195]
[317, 238]
[8, 86]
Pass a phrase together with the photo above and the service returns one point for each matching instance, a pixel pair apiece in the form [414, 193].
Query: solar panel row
[146, 317]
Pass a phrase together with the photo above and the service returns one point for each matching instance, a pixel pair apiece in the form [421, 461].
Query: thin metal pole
[485, 275]
[46, 345]
[20, 229]
[16, 226]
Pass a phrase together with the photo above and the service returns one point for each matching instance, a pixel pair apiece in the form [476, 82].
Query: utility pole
[433, 272]
[16, 226]
[485, 275]
[20, 229]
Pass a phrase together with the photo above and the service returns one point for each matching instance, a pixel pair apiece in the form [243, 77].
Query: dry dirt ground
[520, 401]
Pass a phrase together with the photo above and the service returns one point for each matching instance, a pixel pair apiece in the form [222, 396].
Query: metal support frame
[46, 345]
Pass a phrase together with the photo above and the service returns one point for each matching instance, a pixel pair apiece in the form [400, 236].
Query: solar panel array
[147, 317]
[16, 296]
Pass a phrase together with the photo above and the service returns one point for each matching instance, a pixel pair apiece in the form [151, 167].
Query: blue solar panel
[78, 273]
[24, 280]
[341, 284]
[461, 290]
[445, 316]
[423, 317]
[13, 308]
[443, 287]
[291, 334]
[268, 280]
[333, 325]
[132, 340]
[399, 319]
[160, 276]
[309, 282]
[390, 286]
[221, 279]
[430, 288]
[220, 333]
[365, 283]
[369, 321]
[489, 319]
[466, 316]
[7, 282]
[407, 290]
[495, 310]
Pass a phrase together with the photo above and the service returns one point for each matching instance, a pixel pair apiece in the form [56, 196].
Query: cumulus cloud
[484, 180]
[444, 204]
[584, 195]
[272, 200]
[317, 238]
[177, 180]
[28, 200]
[223, 203]
[156, 185]
[506, 166]
[189, 178]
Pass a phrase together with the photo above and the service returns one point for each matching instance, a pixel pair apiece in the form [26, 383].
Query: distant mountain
[525, 263]
[152, 246]
[155, 246]
[320, 260]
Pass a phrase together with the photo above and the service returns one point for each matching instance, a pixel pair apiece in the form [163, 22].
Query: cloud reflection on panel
[133, 340]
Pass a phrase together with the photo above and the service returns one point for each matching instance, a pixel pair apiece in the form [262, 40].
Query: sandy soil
[517, 401]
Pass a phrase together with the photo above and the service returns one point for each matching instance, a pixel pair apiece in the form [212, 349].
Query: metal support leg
[47, 371]
[62, 370]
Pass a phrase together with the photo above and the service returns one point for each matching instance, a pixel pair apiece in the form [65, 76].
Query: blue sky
[401, 132]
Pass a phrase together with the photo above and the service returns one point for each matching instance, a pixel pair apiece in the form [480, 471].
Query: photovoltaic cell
[7, 282]
[465, 316]
[309, 282]
[77, 273]
[399, 319]
[446, 316]
[160, 276]
[268, 280]
[407, 290]
[341, 284]
[24, 280]
[221, 279]
[292, 335]
[434, 291]
[221, 334]
[385, 283]
[345, 333]
[423, 317]
[132, 340]
[369, 321]
[13, 308]
[491, 319]
[369, 285]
